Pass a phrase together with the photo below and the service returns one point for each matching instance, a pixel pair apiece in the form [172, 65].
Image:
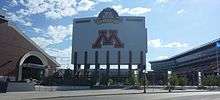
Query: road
[158, 96]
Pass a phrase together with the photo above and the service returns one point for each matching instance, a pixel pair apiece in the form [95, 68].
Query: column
[119, 61]
[97, 66]
[107, 65]
[130, 64]
[86, 66]
[75, 64]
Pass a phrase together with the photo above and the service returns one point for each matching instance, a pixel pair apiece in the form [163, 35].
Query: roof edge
[32, 42]
[178, 55]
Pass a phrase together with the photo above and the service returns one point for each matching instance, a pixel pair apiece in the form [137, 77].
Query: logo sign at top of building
[107, 15]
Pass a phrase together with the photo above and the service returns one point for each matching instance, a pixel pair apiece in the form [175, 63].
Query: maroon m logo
[107, 37]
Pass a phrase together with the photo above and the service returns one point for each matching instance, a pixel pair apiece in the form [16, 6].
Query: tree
[142, 81]
[67, 74]
[210, 80]
[133, 80]
[182, 81]
[110, 82]
[126, 81]
[173, 80]
[104, 80]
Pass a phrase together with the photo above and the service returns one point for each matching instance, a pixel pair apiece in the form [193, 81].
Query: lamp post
[145, 80]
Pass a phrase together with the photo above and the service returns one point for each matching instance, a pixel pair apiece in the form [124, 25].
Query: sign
[107, 15]
[108, 37]
[106, 42]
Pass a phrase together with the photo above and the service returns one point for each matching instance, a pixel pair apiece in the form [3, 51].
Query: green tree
[67, 74]
[133, 80]
[182, 81]
[142, 81]
[126, 81]
[210, 80]
[173, 80]
[110, 82]
[104, 80]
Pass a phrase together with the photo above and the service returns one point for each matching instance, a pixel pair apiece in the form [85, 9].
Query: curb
[86, 95]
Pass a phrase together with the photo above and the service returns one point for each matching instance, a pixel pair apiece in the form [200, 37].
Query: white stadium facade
[109, 39]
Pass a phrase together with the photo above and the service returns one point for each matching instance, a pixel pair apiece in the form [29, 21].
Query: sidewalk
[79, 93]
[53, 94]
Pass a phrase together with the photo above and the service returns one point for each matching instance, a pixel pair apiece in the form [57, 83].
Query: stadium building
[20, 57]
[109, 39]
[204, 59]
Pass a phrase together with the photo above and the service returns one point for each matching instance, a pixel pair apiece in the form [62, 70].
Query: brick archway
[26, 56]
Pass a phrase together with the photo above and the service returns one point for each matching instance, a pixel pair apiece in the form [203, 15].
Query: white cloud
[53, 15]
[54, 35]
[85, 5]
[61, 8]
[158, 44]
[59, 53]
[42, 41]
[132, 11]
[120, 9]
[104, 0]
[161, 57]
[52, 8]
[14, 2]
[139, 10]
[176, 45]
[22, 12]
[62, 56]
[15, 17]
[155, 43]
[180, 12]
[56, 9]
[37, 30]
[28, 24]
[18, 18]
[35, 6]
[162, 1]
[59, 33]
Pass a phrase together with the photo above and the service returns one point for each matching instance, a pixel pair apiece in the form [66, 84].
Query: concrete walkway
[79, 93]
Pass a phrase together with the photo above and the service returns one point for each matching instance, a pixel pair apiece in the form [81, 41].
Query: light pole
[145, 80]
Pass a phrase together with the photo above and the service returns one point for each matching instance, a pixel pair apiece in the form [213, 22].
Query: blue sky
[174, 26]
